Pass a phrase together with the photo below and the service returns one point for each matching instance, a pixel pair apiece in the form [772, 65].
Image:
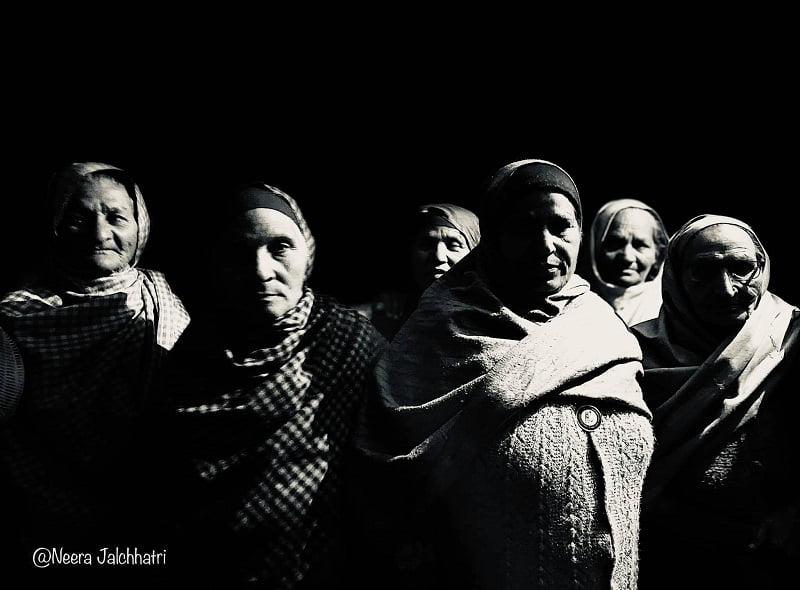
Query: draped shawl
[265, 431]
[703, 390]
[12, 375]
[91, 349]
[465, 371]
[464, 366]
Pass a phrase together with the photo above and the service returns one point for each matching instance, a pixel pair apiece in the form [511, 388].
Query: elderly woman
[627, 244]
[441, 235]
[93, 331]
[721, 375]
[264, 391]
[508, 405]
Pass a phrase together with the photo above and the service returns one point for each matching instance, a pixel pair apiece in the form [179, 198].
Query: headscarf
[91, 349]
[447, 214]
[690, 340]
[702, 389]
[265, 428]
[67, 181]
[519, 178]
[257, 194]
[635, 303]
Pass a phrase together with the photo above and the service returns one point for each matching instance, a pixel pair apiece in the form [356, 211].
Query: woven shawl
[265, 432]
[464, 366]
[91, 353]
[12, 375]
[701, 389]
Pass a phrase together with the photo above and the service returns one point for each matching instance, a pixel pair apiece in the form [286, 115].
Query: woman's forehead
[437, 230]
[721, 238]
[263, 222]
[104, 188]
[634, 219]
[540, 203]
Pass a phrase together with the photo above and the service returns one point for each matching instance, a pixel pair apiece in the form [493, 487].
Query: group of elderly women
[518, 426]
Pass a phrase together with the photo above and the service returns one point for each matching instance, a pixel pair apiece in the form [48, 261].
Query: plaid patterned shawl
[91, 353]
[12, 375]
[266, 432]
[91, 349]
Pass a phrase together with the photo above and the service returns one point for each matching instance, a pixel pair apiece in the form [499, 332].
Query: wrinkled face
[722, 275]
[539, 242]
[628, 251]
[97, 234]
[436, 249]
[265, 257]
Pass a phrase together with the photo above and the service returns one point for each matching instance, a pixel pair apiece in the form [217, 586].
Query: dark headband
[434, 217]
[256, 197]
[538, 176]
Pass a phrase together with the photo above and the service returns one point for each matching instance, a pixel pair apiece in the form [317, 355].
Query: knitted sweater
[568, 489]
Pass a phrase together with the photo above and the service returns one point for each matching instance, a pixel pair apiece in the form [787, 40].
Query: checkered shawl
[91, 353]
[12, 375]
[267, 431]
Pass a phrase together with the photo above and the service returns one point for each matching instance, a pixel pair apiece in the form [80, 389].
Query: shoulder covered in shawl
[52, 302]
[460, 331]
[200, 365]
[464, 364]
[12, 375]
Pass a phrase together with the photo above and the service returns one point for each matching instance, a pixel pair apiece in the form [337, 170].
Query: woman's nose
[264, 265]
[440, 252]
[543, 242]
[629, 253]
[101, 229]
[724, 284]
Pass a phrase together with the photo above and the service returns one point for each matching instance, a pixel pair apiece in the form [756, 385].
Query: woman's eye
[279, 247]
[72, 222]
[613, 244]
[561, 227]
[455, 245]
[425, 244]
[743, 268]
[699, 272]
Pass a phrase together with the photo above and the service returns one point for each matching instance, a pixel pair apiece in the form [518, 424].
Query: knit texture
[547, 508]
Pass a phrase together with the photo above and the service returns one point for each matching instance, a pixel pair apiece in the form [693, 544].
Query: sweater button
[589, 417]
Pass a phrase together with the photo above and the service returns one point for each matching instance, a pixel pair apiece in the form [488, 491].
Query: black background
[358, 144]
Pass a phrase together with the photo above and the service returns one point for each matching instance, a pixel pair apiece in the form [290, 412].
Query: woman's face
[436, 249]
[97, 234]
[266, 257]
[539, 239]
[722, 275]
[628, 252]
